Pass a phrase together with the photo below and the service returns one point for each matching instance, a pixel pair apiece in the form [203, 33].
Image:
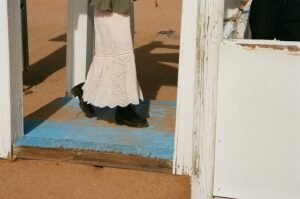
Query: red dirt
[42, 179]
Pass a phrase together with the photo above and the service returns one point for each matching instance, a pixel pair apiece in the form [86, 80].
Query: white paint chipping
[182, 163]
[209, 35]
[186, 81]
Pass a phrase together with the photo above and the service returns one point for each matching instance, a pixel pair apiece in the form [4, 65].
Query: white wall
[258, 120]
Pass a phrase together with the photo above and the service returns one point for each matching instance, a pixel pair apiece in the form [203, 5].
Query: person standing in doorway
[112, 80]
[275, 19]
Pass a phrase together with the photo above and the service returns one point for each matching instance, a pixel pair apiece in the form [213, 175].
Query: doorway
[53, 122]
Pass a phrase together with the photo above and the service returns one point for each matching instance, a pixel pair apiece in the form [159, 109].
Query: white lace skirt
[112, 79]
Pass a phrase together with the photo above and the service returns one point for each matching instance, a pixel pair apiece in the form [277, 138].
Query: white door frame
[201, 33]
[11, 103]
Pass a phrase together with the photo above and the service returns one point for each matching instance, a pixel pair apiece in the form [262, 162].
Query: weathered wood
[11, 75]
[185, 97]
[94, 158]
[209, 36]
[186, 78]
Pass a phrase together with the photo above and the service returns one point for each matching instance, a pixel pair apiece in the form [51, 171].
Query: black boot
[84, 106]
[127, 116]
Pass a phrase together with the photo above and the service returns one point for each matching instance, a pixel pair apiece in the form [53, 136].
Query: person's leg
[112, 79]
[290, 28]
[265, 18]
[86, 108]
[128, 116]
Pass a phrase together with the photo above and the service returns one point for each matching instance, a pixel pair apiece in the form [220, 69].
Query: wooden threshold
[115, 160]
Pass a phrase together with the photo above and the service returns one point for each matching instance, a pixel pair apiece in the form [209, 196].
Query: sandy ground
[41, 179]
[157, 61]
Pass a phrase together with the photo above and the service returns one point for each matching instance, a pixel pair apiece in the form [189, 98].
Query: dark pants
[280, 19]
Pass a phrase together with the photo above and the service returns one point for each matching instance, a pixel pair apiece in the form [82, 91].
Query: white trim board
[182, 163]
[5, 115]
[11, 103]
[209, 36]
[77, 43]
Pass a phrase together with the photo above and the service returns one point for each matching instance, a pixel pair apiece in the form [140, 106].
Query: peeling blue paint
[92, 134]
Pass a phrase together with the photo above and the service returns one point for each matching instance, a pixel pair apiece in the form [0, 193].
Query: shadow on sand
[152, 68]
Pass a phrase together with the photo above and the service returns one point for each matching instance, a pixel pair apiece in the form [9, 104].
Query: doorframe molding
[11, 103]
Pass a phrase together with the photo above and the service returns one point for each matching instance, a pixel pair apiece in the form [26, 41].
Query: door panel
[258, 120]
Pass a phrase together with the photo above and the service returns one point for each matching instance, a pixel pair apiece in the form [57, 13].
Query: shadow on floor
[60, 38]
[45, 67]
[44, 113]
[48, 65]
[154, 70]
[67, 109]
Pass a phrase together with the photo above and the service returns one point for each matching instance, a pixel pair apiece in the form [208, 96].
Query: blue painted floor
[61, 124]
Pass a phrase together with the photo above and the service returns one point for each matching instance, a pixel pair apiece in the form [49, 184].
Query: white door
[258, 120]
[78, 45]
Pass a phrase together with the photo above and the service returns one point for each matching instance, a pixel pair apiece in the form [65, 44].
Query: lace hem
[112, 82]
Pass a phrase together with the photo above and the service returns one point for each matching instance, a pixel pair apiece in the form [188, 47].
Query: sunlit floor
[157, 60]
[61, 124]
